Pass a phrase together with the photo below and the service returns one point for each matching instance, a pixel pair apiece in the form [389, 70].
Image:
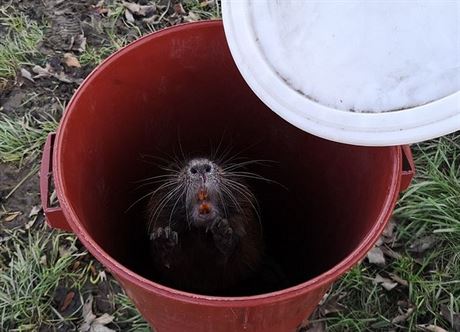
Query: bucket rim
[120, 271]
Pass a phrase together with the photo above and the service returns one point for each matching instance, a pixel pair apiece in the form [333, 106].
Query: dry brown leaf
[67, 300]
[192, 17]
[389, 229]
[331, 305]
[399, 280]
[30, 223]
[139, 10]
[35, 211]
[390, 253]
[179, 9]
[42, 72]
[403, 317]
[210, 3]
[129, 16]
[422, 244]
[77, 43]
[154, 19]
[385, 282]
[100, 8]
[430, 328]
[91, 322]
[375, 256]
[49, 72]
[26, 74]
[71, 60]
[10, 216]
[43, 260]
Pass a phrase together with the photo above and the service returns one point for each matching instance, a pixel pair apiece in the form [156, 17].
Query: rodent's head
[200, 191]
[203, 198]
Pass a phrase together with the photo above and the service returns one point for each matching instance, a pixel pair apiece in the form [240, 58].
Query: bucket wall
[181, 85]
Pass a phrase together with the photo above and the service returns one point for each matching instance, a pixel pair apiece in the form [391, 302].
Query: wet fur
[205, 258]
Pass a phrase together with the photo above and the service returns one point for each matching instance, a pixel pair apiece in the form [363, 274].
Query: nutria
[204, 226]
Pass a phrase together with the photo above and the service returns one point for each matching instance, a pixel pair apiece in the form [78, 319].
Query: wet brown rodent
[205, 233]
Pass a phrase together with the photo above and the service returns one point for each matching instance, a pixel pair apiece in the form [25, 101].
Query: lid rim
[410, 125]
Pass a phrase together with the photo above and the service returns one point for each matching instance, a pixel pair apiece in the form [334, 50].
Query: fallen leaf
[390, 253]
[43, 260]
[206, 3]
[431, 328]
[71, 61]
[331, 305]
[179, 9]
[93, 270]
[422, 244]
[100, 8]
[192, 17]
[385, 282]
[403, 317]
[399, 280]
[154, 19]
[389, 229]
[452, 317]
[35, 211]
[12, 215]
[76, 265]
[26, 74]
[30, 223]
[375, 256]
[316, 327]
[67, 300]
[66, 251]
[92, 323]
[42, 72]
[140, 10]
[49, 72]
[129, 16]
[78, 43]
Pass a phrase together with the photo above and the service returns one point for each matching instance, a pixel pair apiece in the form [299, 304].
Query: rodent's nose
[201, 168]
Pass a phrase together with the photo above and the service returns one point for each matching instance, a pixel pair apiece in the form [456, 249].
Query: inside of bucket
[191, 97]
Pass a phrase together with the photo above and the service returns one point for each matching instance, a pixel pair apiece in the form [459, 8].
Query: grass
[429, 208]
[21, 139]
[18, 43]
[31, 269]
[95, 55]
[204, 12]
[128, 314]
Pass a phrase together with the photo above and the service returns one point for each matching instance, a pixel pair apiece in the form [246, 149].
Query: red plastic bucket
[182, 82]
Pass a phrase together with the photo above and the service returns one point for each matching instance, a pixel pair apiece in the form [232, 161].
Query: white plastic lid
[361, 72]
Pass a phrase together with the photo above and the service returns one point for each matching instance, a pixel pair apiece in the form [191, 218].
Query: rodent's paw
[223, 236]
[165, 236]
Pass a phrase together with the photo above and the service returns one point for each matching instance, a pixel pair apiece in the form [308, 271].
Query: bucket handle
[54, 215]
[408, 167]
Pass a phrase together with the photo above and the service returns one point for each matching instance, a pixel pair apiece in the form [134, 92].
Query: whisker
[254, 176]
[161, 205]
[163, 186]
[230, 195]
[263, 162]
[156, 177]
[246, 193]
[174, 206]
[154, 182]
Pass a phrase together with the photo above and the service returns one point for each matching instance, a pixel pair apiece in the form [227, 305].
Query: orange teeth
[202, 195]
[204, 208]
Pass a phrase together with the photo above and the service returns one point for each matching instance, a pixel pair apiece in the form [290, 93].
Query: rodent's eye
[193, 170]
[207, 168]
